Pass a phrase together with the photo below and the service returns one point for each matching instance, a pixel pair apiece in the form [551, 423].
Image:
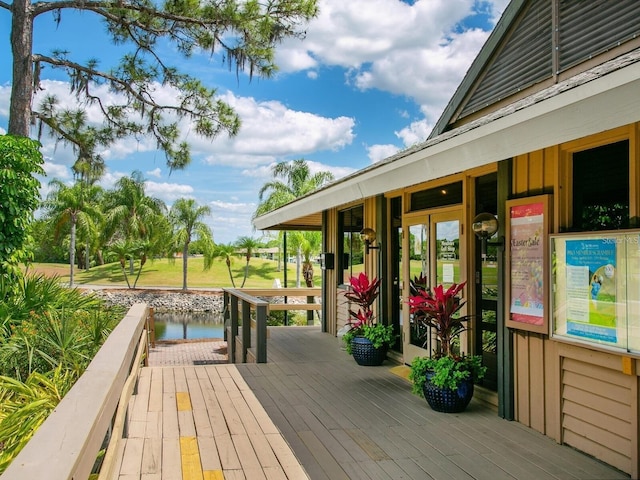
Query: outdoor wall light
[368, 236]
[485, 225]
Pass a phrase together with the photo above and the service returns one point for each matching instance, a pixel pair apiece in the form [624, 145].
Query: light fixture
[485, 225]
[368, 236]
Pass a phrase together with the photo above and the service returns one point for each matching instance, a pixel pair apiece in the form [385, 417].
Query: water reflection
[188, 325]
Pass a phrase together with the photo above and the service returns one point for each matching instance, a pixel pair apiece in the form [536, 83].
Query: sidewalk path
[195, 352]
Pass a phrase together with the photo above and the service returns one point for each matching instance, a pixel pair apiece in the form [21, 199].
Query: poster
[527, 263]
[591, 289]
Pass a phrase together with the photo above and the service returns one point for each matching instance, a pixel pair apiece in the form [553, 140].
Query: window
[442, 196]
[351, 248]
[601, 188]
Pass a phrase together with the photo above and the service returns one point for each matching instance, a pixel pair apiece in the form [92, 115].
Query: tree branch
[5, 6]
[105, 8]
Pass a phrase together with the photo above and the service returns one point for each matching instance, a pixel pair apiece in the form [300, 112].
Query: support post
[310, 313]
[261, 334]
[231, 342]
[246, 329]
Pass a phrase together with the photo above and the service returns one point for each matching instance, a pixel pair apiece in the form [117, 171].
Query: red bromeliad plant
[363, 293]
[362, 322]
[437, 309]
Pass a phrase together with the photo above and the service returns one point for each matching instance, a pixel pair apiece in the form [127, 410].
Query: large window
[351, 249]
[601, 188]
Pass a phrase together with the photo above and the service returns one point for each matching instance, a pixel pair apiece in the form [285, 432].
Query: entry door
[432, 248]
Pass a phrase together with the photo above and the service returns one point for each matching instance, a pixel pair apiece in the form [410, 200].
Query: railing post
[310, 313]
[261, 334]
[231, 342]
[246, 329]
[225, 313]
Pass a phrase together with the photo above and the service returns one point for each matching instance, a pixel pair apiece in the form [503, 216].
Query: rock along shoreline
[164, 300]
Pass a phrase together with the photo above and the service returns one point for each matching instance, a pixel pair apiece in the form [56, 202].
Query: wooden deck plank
[151, 456]
[132, 458]
[200, 414]
[209, 454]
[171, 460]
[170, 428]
[155, 390]
[312, 413]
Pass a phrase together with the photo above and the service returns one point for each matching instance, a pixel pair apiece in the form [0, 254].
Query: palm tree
[186, 216]
[122, 250]
[131, 212]
[309, 244]
[68, 206]
[249, 245]
[220, 252]
[298, 181]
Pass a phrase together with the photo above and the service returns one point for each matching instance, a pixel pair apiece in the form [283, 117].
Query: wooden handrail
[66, 445]
[244, 300]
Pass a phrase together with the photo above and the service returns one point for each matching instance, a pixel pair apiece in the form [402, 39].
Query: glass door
[432, 256]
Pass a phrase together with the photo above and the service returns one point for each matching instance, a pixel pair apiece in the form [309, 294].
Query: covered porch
[340, 420]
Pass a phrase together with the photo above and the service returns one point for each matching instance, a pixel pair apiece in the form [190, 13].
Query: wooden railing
[66, 445]
[238, 305]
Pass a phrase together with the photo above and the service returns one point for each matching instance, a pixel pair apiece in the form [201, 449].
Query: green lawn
[165, 273]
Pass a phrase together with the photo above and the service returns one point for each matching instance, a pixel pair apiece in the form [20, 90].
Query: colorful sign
[527, 263]
[591, 289]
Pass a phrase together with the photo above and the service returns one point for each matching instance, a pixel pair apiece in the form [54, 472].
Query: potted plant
[367, 340]
[446, 378]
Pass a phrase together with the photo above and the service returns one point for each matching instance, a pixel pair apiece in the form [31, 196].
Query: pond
[188, 325]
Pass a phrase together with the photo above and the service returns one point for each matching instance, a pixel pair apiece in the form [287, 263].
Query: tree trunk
[185, 257]
[22, 83]
[298, 264]
[72, 251]
[307, 273]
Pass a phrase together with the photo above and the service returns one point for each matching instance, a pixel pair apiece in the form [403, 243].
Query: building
[543, 134]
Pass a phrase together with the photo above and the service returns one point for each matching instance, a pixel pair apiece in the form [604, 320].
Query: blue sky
[370, 78]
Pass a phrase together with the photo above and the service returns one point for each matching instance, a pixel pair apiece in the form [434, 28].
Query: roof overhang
[600, 99]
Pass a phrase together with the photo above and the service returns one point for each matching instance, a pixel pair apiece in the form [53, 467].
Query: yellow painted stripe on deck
[213, 475]
[190, 459]
[402, 371]
[183, 401]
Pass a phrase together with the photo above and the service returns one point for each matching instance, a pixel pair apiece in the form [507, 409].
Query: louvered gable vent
[524, 60]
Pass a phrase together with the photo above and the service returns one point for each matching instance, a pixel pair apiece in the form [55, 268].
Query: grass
[166, 273]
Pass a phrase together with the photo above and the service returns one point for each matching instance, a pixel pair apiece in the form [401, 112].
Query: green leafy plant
[362, 321]
[437, 311]
[445, 372]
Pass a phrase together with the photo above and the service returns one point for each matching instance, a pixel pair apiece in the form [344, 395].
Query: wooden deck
[312, 404]
[202, 422]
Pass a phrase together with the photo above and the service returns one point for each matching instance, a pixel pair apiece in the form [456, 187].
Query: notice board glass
[595, 297]
[528, 221]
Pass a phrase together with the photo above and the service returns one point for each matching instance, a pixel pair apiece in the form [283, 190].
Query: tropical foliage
[186, 217]
[20, 159]
[292, 180]
[362, 322]
[244, 34]
[48, 336]
[437, 312]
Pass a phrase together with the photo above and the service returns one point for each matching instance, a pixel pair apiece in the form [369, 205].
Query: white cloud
[271, 131]
[416, 132]
[415, 50]
[235, 207]
[54, 170]
[156, 172]
[168, 192]
[265, 171]
[380, 152]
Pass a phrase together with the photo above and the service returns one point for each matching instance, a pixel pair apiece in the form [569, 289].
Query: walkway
[339, 420]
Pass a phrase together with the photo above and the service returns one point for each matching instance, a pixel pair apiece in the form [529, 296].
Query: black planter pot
[366, 354]
[446, 400]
